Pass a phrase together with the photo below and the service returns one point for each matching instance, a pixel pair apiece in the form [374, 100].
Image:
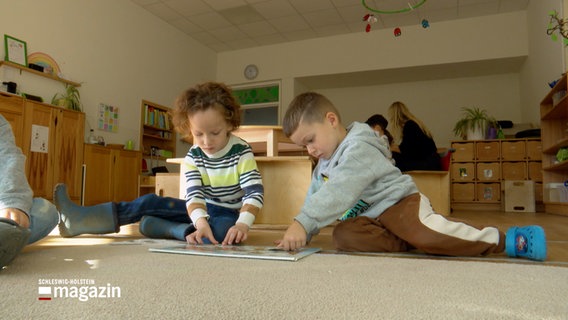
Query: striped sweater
[230, 180]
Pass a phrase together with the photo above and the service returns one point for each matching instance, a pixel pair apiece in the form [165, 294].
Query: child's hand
[236, 234]
[203, 231]
[16, 215]
[294, 238]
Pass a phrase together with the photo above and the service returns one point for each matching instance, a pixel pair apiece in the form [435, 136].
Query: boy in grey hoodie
[23, 219]
[379, 208]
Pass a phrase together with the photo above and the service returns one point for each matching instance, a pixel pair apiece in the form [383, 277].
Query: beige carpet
[321, 286]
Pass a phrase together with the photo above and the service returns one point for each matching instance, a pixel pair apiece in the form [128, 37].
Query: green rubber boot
[75, 220]
[13, 238]
[153, 227]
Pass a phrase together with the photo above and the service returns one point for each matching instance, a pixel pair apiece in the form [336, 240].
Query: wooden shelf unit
[156, 132]
[554, 132]
[479, 168]
[42, 74]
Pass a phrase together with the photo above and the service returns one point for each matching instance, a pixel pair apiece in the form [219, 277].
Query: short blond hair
[308, 107]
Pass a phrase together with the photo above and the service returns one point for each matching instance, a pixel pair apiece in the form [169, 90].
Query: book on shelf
[156, 118]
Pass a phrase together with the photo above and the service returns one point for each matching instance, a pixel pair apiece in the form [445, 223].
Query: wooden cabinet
[12, 108]
[110, 174]
[478, 169]
[51, 138]
[554, 134]
[53, 143]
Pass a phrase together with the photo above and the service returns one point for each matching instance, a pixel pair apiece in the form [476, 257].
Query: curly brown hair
[202, 97]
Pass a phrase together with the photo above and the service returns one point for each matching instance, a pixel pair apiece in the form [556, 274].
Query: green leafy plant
[473, 119]
[71, 99]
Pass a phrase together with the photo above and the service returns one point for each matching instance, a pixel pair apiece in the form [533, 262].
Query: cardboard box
[519, 196]
[488, 171]
[464, 151]
[464, 172]
[513, 150]
[488, 192]
[463, 191]
[514, 171]
[487, 150]
[535, 171]
[534, 150]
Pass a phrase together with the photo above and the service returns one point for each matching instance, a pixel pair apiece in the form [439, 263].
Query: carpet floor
[47, 282]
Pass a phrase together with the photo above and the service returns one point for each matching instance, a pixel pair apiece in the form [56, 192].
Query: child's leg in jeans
[221, 219]
[414, 220]
[171, 209]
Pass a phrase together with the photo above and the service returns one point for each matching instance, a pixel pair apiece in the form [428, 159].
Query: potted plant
[473, 124]
[71, 99]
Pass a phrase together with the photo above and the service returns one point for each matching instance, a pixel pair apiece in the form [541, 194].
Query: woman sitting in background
[416, 147]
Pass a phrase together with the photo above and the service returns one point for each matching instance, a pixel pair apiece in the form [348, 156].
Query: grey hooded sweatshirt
[15, 192]
[357, 180]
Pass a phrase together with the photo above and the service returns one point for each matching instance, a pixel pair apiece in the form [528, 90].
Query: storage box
[514, 171]
[463, 191]
[555, 192]
[488, 171]
[463, 151]
[464, 172]
[519, 196]
[535, 171]
[488, 192]
[487, 150]
[534, 150]
[513, 150]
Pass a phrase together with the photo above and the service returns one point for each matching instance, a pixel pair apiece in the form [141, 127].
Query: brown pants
[412, 223]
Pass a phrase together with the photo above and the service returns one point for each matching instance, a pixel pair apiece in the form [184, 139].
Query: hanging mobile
[370, 19]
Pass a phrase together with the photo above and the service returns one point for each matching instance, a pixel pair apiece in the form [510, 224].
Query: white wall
[437, 102]
[120, 53]
[545, 60]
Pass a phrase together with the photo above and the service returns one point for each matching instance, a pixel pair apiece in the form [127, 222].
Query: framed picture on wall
[16, 50]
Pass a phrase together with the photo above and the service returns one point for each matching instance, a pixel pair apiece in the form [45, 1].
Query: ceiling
[225, 25]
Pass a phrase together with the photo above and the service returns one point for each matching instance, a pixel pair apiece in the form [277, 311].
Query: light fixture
[402, 10]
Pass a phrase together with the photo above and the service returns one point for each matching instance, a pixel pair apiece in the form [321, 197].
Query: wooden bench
[436, 186]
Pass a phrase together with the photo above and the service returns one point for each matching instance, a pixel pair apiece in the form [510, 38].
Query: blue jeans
[171, 209]
[174, 210]
[43, 218]
[221, 219]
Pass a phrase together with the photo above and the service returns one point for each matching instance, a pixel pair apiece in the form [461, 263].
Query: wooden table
[269, 139]
[286, 181]
[436, 186]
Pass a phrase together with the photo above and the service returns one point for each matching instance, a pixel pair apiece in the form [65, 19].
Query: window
[260, 103]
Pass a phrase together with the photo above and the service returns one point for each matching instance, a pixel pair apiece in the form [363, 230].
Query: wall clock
[251, 71]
